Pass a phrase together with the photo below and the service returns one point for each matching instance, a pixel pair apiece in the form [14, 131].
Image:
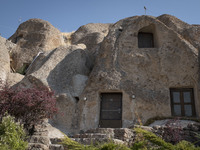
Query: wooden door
[111, 110]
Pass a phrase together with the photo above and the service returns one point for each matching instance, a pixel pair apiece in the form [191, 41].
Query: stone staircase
[41, 141]
[99, 135]
[55, 144]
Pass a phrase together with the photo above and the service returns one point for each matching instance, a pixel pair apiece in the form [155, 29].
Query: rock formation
[32, 37]
[109, 58]
[188, 32]
[146, 73]
[91, 35]
[5, 47]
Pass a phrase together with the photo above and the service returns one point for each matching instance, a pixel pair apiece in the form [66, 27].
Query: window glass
[176, 97]
[177, 110]
[187, 97]
[182, 102]
[188, 110]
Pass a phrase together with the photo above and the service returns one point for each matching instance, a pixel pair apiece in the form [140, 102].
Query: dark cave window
[145, 40]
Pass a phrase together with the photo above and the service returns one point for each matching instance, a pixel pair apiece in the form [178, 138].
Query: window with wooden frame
[145, 40]
[182, 102]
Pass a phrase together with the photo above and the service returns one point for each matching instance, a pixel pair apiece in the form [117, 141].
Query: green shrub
[112, 146]
[184, 145]
[148, 140]
[73, 145]
[70, 144]
[12, 135]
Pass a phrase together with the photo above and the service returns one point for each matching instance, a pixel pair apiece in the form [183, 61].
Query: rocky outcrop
[188, 32]
[14, 78]
[44, 137]
[175, 130]
[5, 48]
[145, 73]
[65, 70]
[111, 61]
[91, 35]
[32, 37]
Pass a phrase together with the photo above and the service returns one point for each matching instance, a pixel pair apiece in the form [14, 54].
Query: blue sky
[69, 15]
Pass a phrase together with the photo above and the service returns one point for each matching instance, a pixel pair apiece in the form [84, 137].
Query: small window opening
[120, 29]
[182, 102]
[77, 99]
[148, 37]
[145, 40]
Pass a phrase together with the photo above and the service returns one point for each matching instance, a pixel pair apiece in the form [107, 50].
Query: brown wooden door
[111, 110]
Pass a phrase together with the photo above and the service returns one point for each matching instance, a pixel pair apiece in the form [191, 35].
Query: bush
[172, 131]
[29, 105]
[73, 145]
[150, 141]
[70, 144]
[112, 146]
[12, 135]
[184, 145]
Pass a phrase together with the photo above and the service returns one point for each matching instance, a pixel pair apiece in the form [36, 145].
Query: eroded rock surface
[5, 48]
[91, 34]
[188, 32]
[112, 61]
[32, 37]
[146, 73]
[63, 69]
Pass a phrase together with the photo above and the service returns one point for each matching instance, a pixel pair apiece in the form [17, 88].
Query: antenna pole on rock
[20, 20]
[145, 9]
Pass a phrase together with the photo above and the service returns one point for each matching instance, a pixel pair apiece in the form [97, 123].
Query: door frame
[100, 104]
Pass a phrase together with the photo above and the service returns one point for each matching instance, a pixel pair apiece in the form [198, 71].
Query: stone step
[56, 147]
[39, 139]
[99, 135]
[117, 133]
[91, 135]
[94, 141]
[123, 133]
[43, 133]
[89, 141]
[37, 146]
[55, 140]
[101, 130]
